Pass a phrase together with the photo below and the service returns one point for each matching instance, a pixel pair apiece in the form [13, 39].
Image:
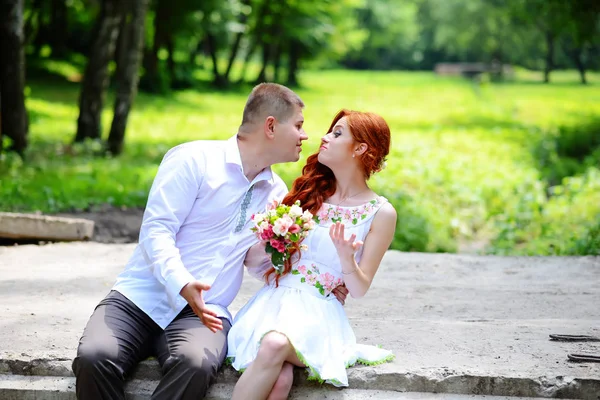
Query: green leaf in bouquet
[277, 259]
[294, 237]
[270, 249]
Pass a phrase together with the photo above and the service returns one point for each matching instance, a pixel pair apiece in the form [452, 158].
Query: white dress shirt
[196, 226]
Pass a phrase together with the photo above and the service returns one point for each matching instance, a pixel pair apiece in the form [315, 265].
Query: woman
[294, 319]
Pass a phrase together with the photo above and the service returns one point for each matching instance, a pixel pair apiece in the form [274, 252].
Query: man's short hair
[270, 99]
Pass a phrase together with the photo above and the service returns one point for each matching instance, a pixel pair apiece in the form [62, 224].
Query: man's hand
[340, 293]
[192, 293]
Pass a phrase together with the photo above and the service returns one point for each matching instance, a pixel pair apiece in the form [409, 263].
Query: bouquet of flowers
[283, 228]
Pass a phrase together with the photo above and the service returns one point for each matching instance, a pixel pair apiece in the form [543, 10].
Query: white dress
[303, 308]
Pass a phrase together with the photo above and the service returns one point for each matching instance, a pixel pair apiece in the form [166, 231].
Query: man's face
[289, 136]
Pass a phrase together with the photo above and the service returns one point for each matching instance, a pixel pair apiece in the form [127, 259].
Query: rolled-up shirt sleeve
[173, 193]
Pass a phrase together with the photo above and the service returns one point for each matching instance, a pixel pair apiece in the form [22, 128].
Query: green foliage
[463, 166]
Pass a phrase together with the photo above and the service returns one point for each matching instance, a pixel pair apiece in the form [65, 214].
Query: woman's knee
[274, 346]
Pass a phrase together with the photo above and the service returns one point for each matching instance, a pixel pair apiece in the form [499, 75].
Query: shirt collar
[232, 156]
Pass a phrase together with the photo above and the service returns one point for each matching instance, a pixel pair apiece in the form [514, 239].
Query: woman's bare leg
[283, 385]
[259, 378]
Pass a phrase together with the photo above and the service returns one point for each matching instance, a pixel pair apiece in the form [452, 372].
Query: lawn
[474, 166]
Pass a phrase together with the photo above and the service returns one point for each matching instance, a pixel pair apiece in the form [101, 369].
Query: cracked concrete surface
[458, 324]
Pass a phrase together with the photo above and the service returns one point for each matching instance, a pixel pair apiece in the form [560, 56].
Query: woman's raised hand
[346, 248]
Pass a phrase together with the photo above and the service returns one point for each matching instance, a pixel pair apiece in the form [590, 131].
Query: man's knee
[200, 365]
[92, 358]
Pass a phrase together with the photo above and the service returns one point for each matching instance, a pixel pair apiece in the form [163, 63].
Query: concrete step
[20, 387]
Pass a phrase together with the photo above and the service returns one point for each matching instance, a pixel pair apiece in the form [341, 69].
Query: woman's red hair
[317, 182]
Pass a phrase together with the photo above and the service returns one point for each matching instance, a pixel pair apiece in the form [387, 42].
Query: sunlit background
[494, 105]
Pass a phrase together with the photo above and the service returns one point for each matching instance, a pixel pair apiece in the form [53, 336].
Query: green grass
[469, 164]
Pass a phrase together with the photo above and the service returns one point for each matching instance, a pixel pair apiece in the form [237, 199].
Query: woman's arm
[358, 278]
[257, 260]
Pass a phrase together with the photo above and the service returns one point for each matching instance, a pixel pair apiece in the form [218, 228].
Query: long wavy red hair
[317, 182]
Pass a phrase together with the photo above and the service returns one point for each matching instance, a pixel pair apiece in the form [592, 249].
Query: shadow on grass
[568, 151]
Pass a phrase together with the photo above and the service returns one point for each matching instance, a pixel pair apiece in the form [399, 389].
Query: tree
[12, 75]
[127, 74]
[581, 30]
[95, 79]
[550, 17]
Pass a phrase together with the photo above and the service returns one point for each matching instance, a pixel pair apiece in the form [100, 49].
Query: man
[171, 300]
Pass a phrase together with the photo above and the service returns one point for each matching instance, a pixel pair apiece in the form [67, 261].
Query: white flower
[308, 225]
[307, 216]
[262, 226]
[271, 213]
[303, 247]
[295, 211]
[258, 218]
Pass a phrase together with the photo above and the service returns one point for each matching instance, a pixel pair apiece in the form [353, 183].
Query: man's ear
[269, 127]
[360, 148]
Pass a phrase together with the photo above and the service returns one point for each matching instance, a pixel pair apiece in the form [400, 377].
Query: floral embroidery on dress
[352, 215]
[325, 283]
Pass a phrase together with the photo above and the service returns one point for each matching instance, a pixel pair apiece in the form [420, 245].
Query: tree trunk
[154, 80]
[33, 21]
[277, 63]
[294, 58]
[247, 59]
[576, 55]
[261, 39]
[170, 45]
[12, 75]
[243, 18]
[59, 28]
[266, 56]
[234, 50]
[549, 56]
[95, 79]
[127, 75]
[211, 47]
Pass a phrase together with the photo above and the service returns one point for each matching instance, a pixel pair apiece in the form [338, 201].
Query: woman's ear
[360, 148]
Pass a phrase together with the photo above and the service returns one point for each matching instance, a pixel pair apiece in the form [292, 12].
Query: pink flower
[277, 245]
[267, 233]
[273, 205]
[311, 279]
[326, 278]
[282, 225]
[324, 216]
[302, 269]
[295, 228]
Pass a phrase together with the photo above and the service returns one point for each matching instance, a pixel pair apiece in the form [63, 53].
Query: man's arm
[171, 198]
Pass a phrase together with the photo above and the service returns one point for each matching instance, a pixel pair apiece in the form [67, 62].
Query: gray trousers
[119, 335]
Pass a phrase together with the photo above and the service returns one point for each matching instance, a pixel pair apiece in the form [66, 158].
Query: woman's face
[337, 145]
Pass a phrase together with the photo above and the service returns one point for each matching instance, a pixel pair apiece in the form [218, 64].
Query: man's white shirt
[196, 226]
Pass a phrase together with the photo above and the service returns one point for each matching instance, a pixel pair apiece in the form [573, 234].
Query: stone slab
[44, 227]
